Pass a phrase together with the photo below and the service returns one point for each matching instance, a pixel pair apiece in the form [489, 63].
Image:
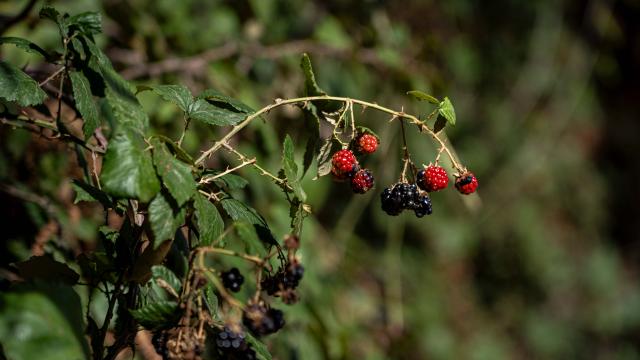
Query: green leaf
[42, 321]
[324, 157]
[239, 211]
[231, 181]
[207, 113]
[261, 349]
[212, 95]
[311, 87]
[46, 269]
[447, 111]
[17, 86]
[89, 23]
[175, 174]
[162, 272]
[423, 96]
[85, 103]
[25, 45]
[175, 149]
[157, 314]
[247, 233]
[211, 301]
[290, 168]
[209, 221]
[127, 170]
[86, 192]
[48, 12]
[164, 219]
[176, 94]
[312, 129]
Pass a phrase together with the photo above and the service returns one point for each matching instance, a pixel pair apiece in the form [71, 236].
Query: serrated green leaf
[447, 111]
[261, 349]
[46, 269]
[25, 45]
[423, 96]
[212, 95]
[127, 170]
[247, 233]
[86, 192]
[231, 181]
[42, 319]
[211, 300]
[48, 12]
[179, 152]
[239, 211]
[162, 272]
[291, 168]
[176, 94]
[89, 23]
[156, 314]
[210, 223]
[207, 113]
[17, 86]
[311, 87]
[324, 157]
[175, 174]
[85, 103]
[165, 219]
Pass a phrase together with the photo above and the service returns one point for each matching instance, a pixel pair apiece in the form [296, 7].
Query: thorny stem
[209, 179]
[279, 102]
[406, 157]
[262, 170]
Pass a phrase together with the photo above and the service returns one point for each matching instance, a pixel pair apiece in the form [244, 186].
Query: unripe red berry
[362, 181]
[433, 178]
[467, 183]
[343, 163]
[367, 143]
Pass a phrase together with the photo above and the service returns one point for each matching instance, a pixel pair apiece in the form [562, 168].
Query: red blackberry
[232, 279]
[362, 181]
[367, 143]
[467, 183]
[343, 163]
[433, 178]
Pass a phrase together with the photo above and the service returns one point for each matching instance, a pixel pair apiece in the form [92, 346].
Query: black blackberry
[409, 193]
[285, 279]
[232, 279]
[159, 341]
[262, 321]
[424, 206]
[391, 201]
[232, 345]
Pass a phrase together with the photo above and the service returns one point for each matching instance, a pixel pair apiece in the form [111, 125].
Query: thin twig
[262, 170]
[206, 180]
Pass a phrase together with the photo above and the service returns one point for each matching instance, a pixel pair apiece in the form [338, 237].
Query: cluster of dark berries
[178, 343]
[284, 282]
[344, 164]
[159, 341]
[405, 196]
[232, 279]
[261, 320]
[232, 345]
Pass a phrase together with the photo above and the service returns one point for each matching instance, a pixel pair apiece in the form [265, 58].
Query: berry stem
[258, 261]
[209, 179]
[279, 102]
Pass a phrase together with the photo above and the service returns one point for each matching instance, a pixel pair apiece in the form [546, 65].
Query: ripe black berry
[232, 279]
[232, 345]
[403, 196]
[262, 321]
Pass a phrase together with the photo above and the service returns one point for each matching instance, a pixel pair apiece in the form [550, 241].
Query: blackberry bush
[179, 217]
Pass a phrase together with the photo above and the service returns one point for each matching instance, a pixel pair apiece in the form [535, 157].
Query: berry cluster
[232, 279]
[261, 320]
[344, 164]
[284, 282]
[405, 196]
[232, 345]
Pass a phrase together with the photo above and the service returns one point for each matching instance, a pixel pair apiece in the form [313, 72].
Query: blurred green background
[542, 265]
